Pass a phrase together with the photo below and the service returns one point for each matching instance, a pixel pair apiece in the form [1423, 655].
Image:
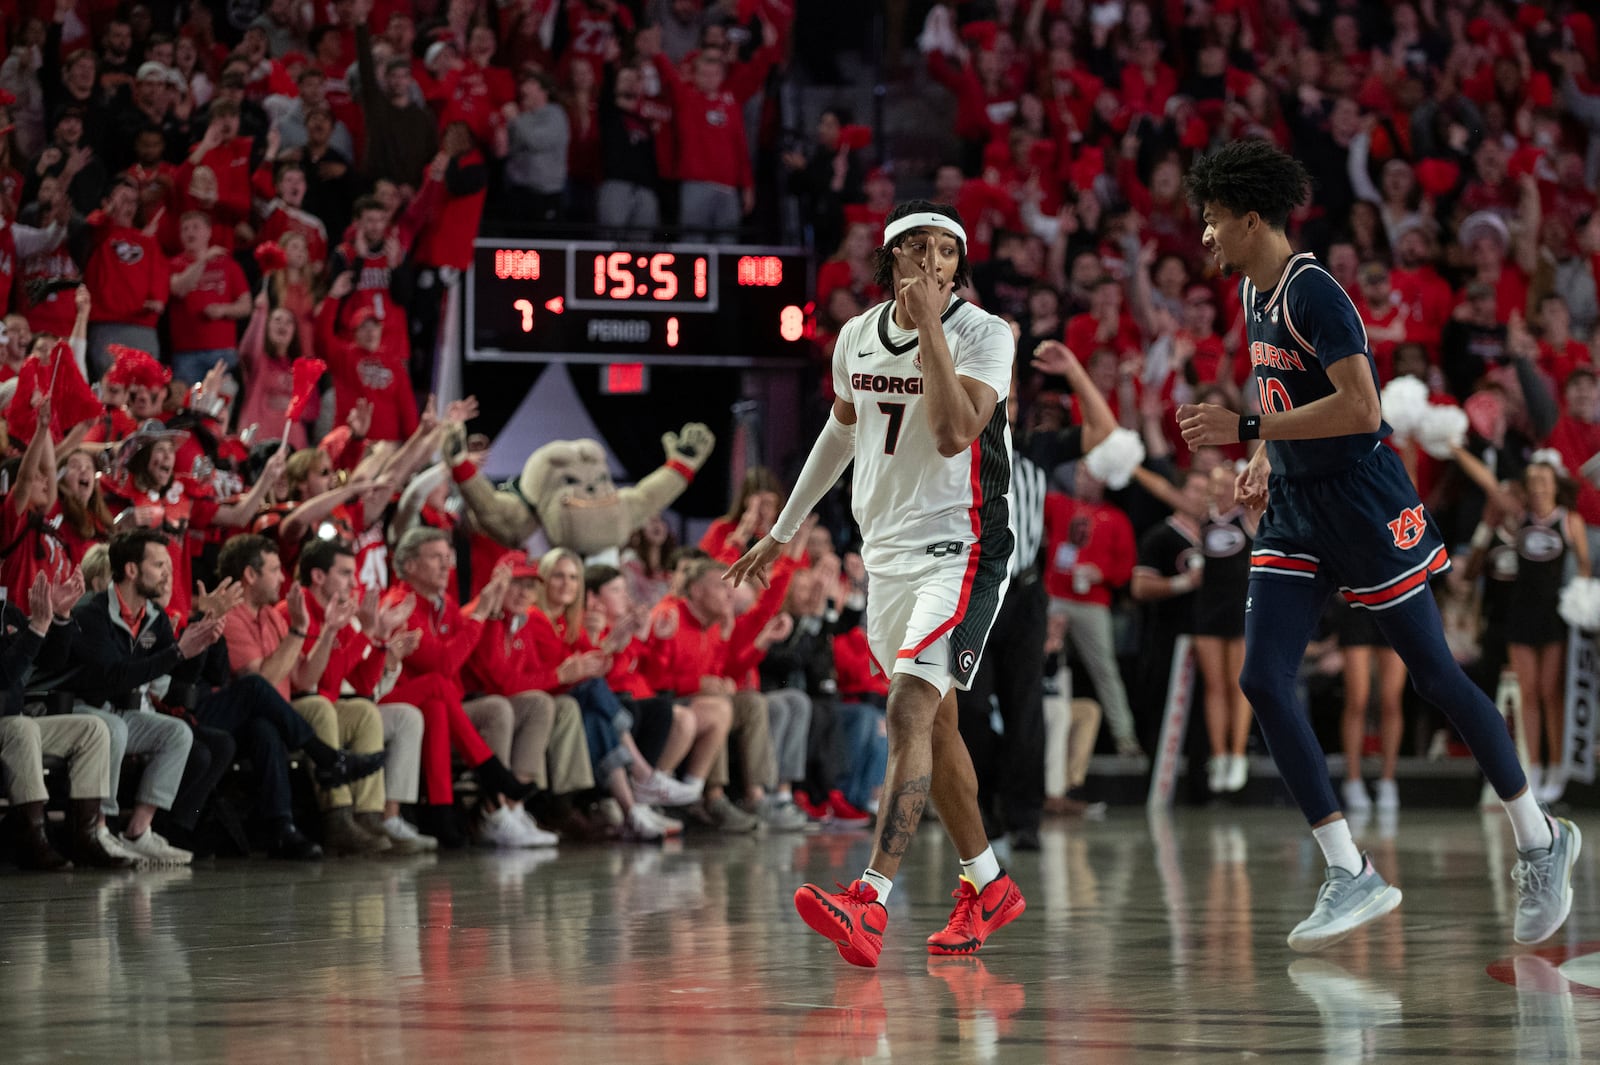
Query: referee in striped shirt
[1010, 765]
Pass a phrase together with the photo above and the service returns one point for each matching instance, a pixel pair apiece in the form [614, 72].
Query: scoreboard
[610, 302]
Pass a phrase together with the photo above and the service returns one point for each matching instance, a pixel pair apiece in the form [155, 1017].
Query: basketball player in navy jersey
[1342, 514]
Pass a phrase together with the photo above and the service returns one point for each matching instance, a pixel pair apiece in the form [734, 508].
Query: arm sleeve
[832, 452]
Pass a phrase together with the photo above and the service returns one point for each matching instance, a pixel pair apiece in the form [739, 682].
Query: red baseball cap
[524, 568]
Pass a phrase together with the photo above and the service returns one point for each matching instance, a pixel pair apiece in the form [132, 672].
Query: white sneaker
[1217, 773]
[151, 849]
[501, 828]
[405, 835]
[645, 824]
[1388, 796]
[659, 789]
[533, 834]
[1238, 772]
[670, 825]
[1355, 797]
[113, 845]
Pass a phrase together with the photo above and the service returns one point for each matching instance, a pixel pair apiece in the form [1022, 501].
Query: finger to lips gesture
[920, 293]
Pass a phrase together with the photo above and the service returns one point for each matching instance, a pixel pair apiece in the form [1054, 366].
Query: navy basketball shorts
[1361, 530]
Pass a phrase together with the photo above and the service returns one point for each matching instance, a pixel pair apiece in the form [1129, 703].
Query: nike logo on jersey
[863, 354]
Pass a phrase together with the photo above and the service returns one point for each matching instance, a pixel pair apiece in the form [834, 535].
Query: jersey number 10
[1274, 396]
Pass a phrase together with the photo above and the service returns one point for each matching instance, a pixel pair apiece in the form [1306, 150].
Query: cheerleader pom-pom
[1115, 458]
[1443, 429]
[1549, 456]
[1405, 405]
[1580, 604]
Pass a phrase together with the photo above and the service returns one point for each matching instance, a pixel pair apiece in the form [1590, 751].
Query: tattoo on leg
[905, 811]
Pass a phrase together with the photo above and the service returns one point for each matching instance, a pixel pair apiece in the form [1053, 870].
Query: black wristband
[1249, 427]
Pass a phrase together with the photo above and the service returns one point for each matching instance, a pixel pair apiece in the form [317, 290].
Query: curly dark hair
[883, 258]
[1250, 175]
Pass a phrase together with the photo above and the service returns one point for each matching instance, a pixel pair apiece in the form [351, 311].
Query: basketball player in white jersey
[920, 385]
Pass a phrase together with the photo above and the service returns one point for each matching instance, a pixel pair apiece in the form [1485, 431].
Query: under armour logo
[1249, 601]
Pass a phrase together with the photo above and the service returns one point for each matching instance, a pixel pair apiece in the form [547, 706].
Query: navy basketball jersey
[1296, 331]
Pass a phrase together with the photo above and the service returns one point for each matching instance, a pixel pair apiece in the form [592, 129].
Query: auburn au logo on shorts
[1408, 528]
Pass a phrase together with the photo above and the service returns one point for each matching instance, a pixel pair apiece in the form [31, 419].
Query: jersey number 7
[896, 413]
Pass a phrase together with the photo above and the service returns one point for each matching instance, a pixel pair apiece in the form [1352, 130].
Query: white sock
[881, 883]
[1534, 831]
[1338, 848]
[981, 870]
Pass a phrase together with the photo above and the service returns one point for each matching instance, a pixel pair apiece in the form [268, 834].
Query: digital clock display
[584, 301]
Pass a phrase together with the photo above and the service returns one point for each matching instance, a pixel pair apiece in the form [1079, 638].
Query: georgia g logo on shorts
[1408, 528]
[968, 659]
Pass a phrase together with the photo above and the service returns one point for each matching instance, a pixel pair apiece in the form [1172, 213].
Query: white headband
[931, 219]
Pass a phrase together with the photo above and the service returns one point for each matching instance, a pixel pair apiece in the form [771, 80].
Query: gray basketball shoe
[1346, 902]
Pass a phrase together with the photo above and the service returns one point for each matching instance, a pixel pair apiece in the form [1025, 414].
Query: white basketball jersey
[908, 498]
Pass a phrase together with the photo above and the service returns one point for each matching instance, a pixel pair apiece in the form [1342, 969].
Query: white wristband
[829, 456]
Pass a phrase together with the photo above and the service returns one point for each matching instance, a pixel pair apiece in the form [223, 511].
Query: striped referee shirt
[1027, 512]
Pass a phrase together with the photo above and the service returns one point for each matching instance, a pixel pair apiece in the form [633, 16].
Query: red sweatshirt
[231, 163]
[352, 658]
[507, 663]
[710, 128]
[627, 676]
[380, 376]
[125, 270]
[698, 650]
[1086, 534]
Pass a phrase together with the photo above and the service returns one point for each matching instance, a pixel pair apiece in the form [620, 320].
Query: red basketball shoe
[852, 917]
[978, 914]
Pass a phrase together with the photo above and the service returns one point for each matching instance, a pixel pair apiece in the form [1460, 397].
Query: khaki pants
[82, 739]
[402, 739]
[353, 724]
[752, 732]
[538, 736]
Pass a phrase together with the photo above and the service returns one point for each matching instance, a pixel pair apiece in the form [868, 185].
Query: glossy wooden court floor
[1143, 942]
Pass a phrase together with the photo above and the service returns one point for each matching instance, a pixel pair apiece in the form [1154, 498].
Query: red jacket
[448, 637]
[125, 270]
[507, 663]
[626, 676]
[1086, 534]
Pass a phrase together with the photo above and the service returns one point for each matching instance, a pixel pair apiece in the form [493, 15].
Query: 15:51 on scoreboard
[607, 302]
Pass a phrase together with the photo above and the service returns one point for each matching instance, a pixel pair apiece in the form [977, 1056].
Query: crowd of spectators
[222, 253]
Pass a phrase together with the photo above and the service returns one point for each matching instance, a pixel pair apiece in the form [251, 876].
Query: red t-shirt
[221, 281]
[1086, 534]
[32, 547]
